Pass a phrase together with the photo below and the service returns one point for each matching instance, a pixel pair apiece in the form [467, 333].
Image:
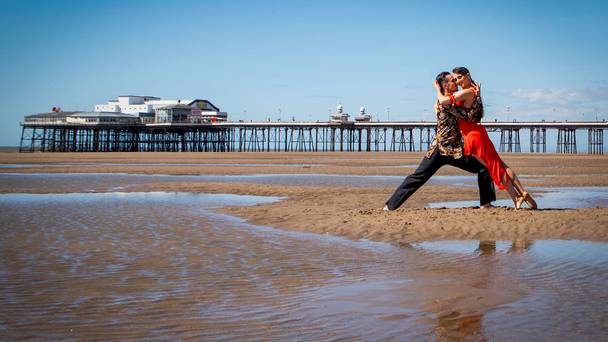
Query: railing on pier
[288, 137]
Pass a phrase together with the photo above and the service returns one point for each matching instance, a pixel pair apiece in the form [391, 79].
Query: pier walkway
[84, 136]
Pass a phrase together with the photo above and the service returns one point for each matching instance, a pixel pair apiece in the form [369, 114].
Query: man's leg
[427, 167]
[487, 194]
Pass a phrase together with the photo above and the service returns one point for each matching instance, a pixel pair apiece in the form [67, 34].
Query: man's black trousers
[428, 167]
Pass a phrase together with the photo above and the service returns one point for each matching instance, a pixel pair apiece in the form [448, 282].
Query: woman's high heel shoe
[519, 201]
[530, 201]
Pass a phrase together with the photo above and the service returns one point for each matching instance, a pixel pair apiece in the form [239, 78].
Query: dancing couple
[462, 141]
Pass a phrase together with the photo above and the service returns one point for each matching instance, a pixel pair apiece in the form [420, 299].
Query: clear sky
[256, 59]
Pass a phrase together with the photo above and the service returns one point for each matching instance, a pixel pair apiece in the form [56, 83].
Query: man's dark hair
[442, 77]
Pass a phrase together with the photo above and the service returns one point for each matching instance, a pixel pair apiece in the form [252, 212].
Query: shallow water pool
[549, 198]
[162, 266]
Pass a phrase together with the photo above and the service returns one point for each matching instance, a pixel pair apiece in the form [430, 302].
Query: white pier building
[146, 108]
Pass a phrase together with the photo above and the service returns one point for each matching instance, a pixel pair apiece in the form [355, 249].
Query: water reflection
[520, 246]
[471, 247]
[488, 247]
[547, 198]
[468, 326]
[456, 327]
[104, 181]
[120, 266]
[562, 279]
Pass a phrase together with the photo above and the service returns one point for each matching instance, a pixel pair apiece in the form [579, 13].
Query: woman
[476, 139]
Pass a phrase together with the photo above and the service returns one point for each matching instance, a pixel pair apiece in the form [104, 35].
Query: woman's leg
[514, 179]
[485, 148]
[517, 200]
[515, 196]
[511, 190]
[525, 196]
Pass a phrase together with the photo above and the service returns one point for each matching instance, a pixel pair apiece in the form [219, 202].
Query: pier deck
[404, 136]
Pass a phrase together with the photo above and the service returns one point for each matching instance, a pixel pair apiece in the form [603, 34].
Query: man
[446, 149]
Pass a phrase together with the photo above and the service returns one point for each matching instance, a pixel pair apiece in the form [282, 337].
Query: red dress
[478, 143]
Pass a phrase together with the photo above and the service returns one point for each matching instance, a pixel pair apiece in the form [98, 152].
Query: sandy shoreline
[354, 212]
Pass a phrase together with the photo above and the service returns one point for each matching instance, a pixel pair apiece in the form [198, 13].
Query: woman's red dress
[478, 143]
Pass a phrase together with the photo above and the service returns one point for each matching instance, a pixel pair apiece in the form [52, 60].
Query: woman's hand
[476, 88]
[436, 85]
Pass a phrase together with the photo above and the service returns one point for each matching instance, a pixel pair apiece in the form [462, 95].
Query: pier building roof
[205, 105]
[176, 106]
[50, 115]
[80, 117]
[141, 96]
[103, 114]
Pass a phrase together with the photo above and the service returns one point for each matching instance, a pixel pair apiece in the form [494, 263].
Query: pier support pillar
[595, 143]
[538, 140]
[566, 140]
[509, 140]
[402, 140]
[426, 138]
[21, 148]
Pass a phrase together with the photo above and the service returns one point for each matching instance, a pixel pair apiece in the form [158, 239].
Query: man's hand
[437, 107]
[436, 85]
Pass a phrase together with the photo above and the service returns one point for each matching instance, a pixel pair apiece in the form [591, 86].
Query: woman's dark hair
[441, 78]
[463, 71]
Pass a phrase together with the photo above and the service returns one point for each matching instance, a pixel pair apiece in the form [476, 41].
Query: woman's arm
[461, 95]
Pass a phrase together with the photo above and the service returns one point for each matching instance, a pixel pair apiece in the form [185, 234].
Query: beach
[352, 208]
[295, 246]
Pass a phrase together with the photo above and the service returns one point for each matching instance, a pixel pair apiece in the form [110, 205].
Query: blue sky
[535, 60]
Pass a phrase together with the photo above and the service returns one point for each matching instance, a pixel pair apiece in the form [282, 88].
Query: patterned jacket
[448, 138]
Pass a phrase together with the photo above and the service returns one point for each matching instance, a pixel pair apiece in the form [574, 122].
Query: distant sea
[9, 148]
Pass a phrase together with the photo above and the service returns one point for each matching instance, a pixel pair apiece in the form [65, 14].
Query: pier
[113, 135]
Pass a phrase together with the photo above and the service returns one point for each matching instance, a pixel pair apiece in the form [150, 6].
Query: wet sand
[354, 211]
[373, 163]
[332, 211]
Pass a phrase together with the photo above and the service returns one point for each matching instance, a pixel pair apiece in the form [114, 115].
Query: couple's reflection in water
[456, 326]
[488, 247]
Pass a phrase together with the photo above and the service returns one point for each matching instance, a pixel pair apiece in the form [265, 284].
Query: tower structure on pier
[339, 116]
[363, 117]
